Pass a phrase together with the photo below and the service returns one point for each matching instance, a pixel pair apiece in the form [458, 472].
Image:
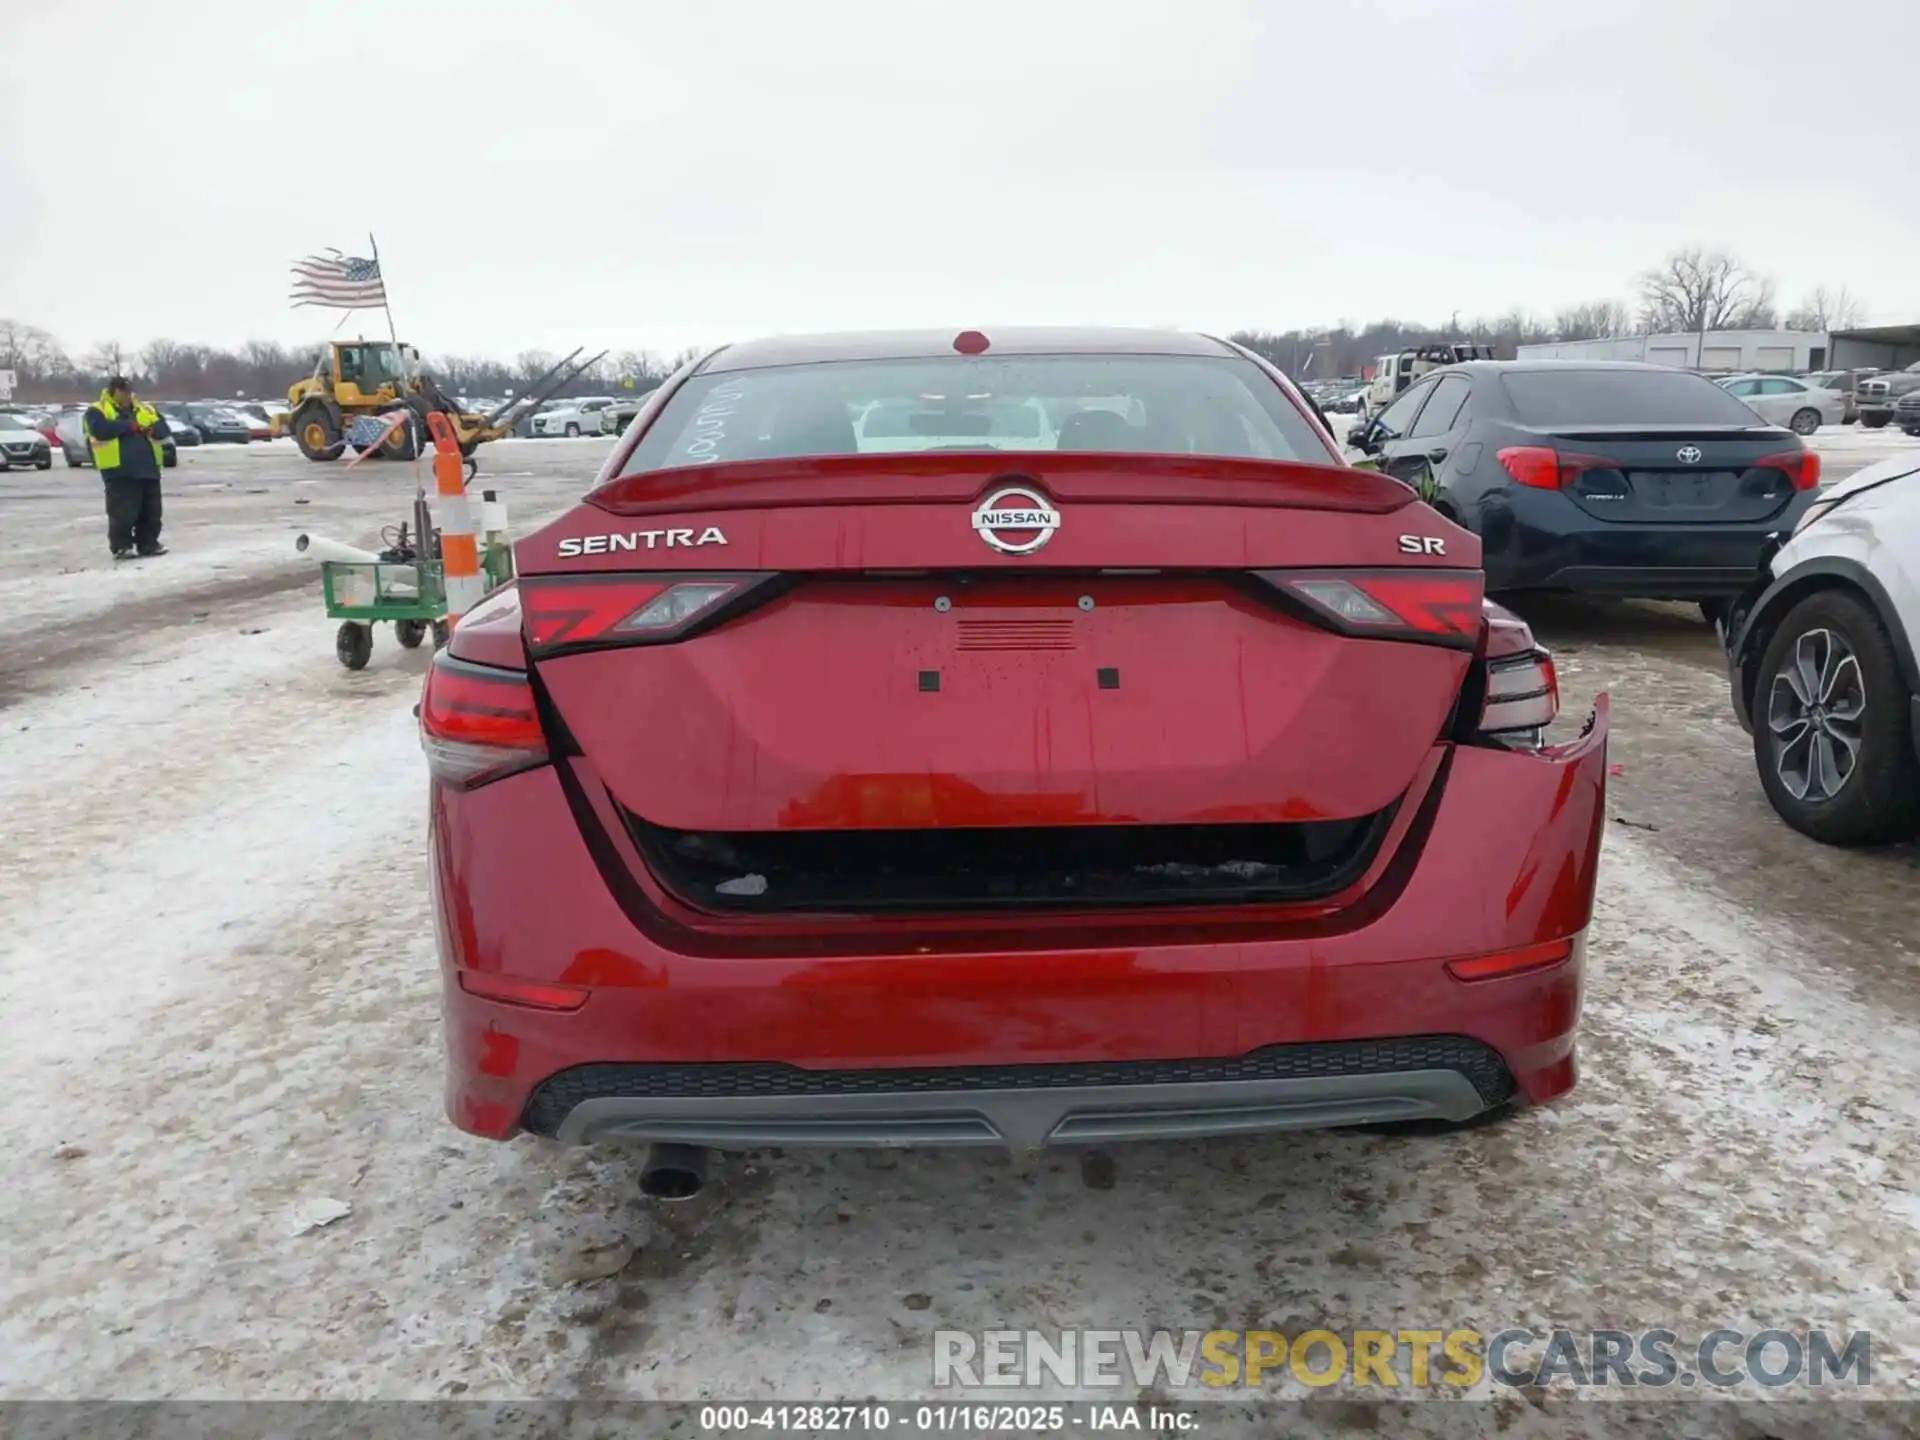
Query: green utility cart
[411, 595]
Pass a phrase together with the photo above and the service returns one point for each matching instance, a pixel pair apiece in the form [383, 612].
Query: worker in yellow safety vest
[124, 436]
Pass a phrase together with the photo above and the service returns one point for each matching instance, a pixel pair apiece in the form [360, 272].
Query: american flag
[338, 282]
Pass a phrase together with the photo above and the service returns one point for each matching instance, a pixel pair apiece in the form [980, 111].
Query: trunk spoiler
[957, 477]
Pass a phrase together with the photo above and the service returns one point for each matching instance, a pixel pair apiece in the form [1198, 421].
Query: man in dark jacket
[125, 435]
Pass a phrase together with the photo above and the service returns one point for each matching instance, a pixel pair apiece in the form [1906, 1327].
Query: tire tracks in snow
[242, 1017]
[153, 745]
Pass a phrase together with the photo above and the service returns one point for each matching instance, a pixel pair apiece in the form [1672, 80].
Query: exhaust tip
[673, 1172]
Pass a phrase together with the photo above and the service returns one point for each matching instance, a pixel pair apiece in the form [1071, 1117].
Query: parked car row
[1337, 397]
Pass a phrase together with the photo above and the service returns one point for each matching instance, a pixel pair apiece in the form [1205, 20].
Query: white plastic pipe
[318, 547]
[493, 514]
[396, 581]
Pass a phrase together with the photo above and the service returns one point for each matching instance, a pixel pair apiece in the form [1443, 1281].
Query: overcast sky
[654, 175]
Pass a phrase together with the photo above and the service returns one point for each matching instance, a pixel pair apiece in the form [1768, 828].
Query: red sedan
[1013, 739]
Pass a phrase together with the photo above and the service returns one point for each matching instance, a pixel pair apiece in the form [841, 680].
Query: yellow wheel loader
[366, 380]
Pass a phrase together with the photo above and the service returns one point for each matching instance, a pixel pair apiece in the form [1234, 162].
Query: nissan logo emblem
[1016, 520]
[1688, 455]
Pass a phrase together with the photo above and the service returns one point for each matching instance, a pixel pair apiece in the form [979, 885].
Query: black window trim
[1432, 383]
[1440, 383]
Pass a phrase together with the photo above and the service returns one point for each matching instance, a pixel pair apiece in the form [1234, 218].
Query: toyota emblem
[1688, 454]
[1016, 520]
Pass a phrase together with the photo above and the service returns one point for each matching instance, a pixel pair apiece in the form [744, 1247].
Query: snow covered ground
[219, 1064]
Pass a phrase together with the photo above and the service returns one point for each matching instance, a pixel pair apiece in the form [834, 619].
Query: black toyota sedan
[1599, 477]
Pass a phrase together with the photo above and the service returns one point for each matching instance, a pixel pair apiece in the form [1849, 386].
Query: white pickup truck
[1394, 373]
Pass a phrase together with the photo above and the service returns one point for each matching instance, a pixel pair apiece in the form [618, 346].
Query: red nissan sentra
[1007, 739]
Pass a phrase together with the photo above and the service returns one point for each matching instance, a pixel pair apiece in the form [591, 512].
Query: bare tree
[1827, 309]
[530, 365]
[1595, 320]
[1698, 289]
[642, 368]
[109, 357]
[31, 352]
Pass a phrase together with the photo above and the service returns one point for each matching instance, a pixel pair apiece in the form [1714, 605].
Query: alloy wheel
[1815, 706]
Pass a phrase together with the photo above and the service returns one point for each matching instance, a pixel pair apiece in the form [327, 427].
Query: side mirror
[1365, 438]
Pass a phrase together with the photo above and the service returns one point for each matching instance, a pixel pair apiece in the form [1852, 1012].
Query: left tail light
[1543, 468]
[585, 612]
[478, 723]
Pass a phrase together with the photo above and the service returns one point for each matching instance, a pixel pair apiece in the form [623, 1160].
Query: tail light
[1544, 468]
[1802, 467]
[477, 723]
[1520, 691]
[574, 612]
[1438, 607]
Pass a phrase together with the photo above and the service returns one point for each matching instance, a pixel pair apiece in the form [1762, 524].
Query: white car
[1783, 400]
[1821, 652]
[581, 416]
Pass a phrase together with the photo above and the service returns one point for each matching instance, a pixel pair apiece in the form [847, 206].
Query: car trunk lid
[1677, 474]
[888, 664]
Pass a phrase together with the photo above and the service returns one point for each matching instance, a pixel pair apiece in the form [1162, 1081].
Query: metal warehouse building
[1883, 347]
[1786, 350]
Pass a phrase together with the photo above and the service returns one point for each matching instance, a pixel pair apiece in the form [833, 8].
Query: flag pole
[406, 374]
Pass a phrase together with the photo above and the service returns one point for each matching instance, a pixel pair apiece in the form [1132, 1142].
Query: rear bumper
[1285, 1087]
[1543, 541]
[1296, 1019]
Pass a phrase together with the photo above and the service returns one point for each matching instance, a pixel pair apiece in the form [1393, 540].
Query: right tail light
[1802, 467]
[1437, 607]
[1520, 691]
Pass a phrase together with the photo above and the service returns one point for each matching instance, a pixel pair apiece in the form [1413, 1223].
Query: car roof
[1560, 367]
[937, 344]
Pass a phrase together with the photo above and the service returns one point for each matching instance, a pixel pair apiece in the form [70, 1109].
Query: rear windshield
[1621, 397]
[1143, 404]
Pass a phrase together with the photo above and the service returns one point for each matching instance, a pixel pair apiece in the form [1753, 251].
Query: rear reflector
[477, 723]
[1510, 962]
[533, 994]
[1440, 607]
[1802, 467]
[573, 612]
